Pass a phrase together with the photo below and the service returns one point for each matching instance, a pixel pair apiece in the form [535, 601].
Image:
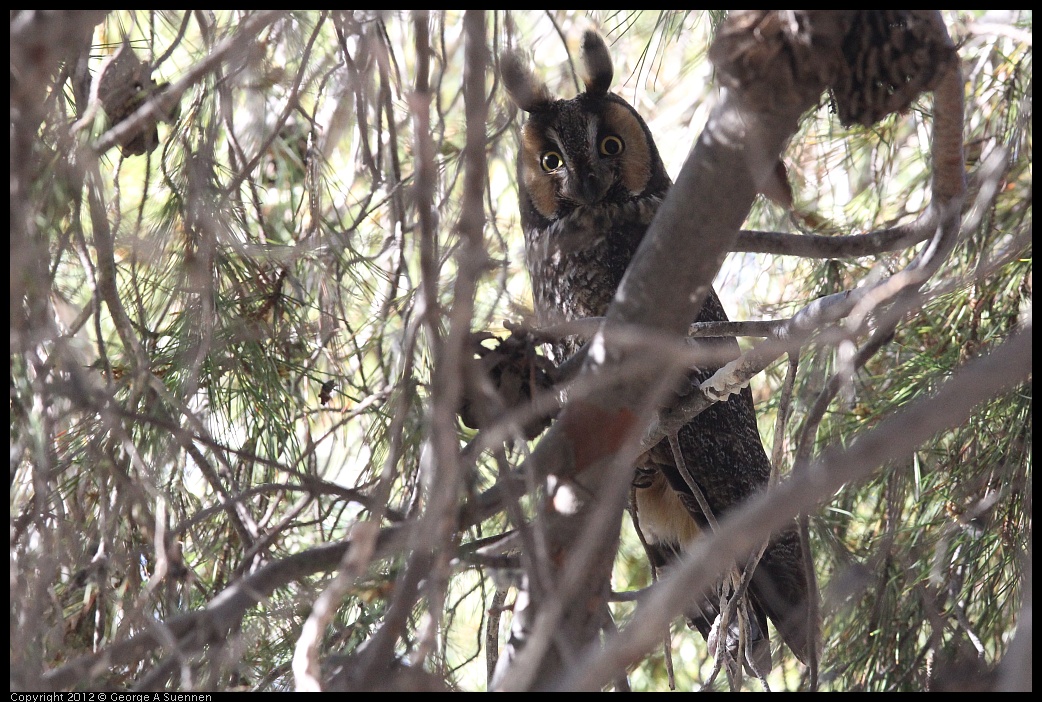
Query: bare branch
[821, 246]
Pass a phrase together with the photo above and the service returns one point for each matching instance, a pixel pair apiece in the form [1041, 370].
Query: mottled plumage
[590, 180]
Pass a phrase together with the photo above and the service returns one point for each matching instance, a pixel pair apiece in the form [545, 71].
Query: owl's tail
[704, 615]
[780, 589]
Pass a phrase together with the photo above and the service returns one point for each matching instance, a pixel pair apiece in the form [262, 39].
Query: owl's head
[591, 149]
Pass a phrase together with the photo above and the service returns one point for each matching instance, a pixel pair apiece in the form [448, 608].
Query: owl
[590, 180]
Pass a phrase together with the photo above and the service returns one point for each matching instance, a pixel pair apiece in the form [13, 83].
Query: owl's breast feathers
[577, 262]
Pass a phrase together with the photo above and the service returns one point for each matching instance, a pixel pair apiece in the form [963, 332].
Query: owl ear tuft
[525, 90]
[596, 61]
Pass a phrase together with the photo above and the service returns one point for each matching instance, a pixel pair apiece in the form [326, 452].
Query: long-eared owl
[590, 180]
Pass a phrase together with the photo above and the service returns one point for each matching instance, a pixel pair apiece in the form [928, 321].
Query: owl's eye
[611, 145]
[551, 161]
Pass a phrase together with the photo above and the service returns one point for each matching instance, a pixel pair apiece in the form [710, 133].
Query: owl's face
[590, 150]
[582, 152]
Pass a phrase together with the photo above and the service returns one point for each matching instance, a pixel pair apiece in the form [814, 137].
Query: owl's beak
[591, 187]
